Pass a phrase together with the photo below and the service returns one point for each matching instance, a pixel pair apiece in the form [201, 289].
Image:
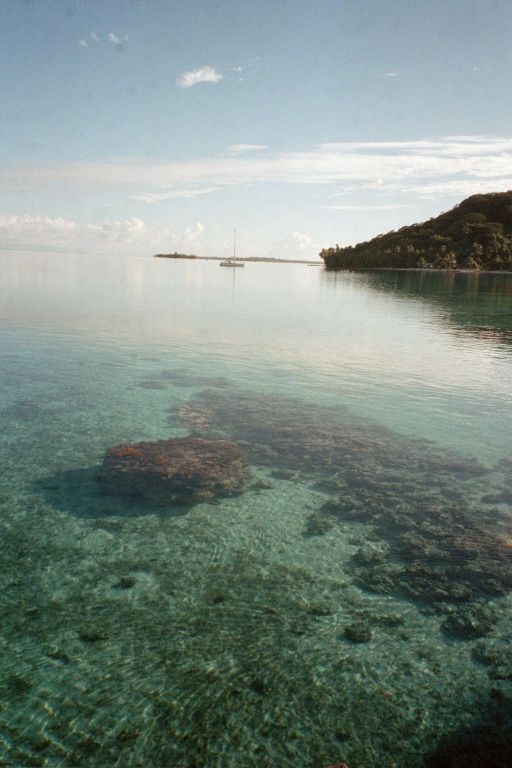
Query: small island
[175, 255]
[476, 234]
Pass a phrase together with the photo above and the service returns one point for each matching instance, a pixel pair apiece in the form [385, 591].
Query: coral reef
[441, 544]
[179, 470]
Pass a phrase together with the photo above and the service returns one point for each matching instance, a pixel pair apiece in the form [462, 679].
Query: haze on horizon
[132, 127]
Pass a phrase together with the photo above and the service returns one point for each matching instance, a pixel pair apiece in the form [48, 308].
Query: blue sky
[140, 126]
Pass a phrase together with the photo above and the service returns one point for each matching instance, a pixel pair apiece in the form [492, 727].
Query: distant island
[258, 259]
[175, 255]
[476, 234]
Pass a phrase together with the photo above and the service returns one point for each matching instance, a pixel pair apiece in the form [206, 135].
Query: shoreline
[270, 260]
[426, 269]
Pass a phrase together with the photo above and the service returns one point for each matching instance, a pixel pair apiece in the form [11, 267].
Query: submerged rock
[495, 654]
[180, 377]
[319, 524]
[197, 417]
[370, 555]
[284, 474]
[92, 636]
[184, 469]
[381, 579]
[358, 632]
[125, 582]
[262, 485]
[471, 621]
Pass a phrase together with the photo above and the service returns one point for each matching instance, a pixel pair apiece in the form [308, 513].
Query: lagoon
[352, 604]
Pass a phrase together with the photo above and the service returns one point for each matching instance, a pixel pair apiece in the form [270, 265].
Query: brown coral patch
[178, 470]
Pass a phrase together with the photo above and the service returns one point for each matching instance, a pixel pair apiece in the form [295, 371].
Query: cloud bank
[64, 235]
[457, 165]
[130, 236]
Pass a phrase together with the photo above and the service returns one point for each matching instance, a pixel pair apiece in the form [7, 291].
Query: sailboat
[232, 262]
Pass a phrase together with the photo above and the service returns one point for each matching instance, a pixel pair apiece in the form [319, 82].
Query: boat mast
[234, 244]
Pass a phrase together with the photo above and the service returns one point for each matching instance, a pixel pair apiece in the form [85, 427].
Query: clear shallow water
[355, 607]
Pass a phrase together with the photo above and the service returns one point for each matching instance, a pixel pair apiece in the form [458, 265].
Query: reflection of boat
[232, 262]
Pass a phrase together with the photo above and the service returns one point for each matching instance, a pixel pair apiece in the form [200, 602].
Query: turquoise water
[353, 603]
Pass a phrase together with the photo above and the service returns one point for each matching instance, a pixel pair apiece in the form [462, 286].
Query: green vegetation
[476, 234]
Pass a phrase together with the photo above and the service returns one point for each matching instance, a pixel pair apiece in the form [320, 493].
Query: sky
[143, 126]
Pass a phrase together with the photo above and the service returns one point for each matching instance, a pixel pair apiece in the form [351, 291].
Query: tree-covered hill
[476, 234]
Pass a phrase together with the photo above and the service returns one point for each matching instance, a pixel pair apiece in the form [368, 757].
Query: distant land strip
[263, 259]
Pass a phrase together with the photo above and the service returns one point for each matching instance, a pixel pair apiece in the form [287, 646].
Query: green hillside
[476, 234]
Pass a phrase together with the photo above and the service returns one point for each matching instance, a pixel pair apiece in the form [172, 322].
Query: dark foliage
[476, 234]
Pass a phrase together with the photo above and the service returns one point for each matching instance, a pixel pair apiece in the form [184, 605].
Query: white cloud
[184, 194]
[452, 146]
[239, 148]
[192, 234]
[115, 40]
[302, 241]
[388, 74]
[459, 187]
[296, 244]
[118, 42]
[390, 207]
[205, 74]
